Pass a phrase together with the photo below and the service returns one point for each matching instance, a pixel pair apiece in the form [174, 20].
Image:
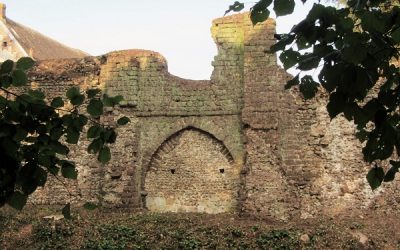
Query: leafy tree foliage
[356, 48]
[35, 133]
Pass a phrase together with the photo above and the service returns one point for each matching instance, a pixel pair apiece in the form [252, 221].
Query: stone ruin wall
[236, 143]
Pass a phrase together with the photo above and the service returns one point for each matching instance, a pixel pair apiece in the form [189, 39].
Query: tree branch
[72, 111]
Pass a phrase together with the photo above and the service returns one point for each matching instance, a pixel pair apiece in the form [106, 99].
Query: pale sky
[178, 29]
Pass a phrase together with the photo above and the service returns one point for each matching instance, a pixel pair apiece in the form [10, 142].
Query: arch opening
[184, 175]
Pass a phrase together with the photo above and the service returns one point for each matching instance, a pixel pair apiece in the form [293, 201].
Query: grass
[114, 231]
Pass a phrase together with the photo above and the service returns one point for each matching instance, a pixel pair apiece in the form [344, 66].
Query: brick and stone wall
[238, 142]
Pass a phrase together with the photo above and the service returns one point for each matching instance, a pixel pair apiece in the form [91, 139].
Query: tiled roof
[40, 46]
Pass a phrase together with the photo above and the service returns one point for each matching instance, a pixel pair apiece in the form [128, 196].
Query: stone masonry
[236, 143]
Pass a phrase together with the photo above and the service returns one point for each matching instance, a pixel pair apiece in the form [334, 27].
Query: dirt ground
[44, 228]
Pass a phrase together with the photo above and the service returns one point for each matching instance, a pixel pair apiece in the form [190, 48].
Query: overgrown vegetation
[112, 231]
[35, 132]
[355, 47]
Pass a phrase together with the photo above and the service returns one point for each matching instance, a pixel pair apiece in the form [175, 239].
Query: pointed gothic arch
[191, 171]
[173, 139]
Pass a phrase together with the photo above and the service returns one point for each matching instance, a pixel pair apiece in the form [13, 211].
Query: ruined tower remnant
[236, 143]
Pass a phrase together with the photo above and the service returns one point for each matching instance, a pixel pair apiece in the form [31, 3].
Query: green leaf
[371, 107]
[289, 58]
[322, 50]
[95, 108]
[40, 176]
[302, 43]
[118, 99]
[316, 12]
[57, 102]
[72, 92]
[108, 135]
[293, 82]
[345, 25]
[77, 100]
[308, 62]
[45, 160]
[236, 7]
[53, 170]
[56, 133]
[37, 94]
[95, 146]
[308, 87]
[372, 22]
[79, 122]
[359, 116]
[25, 63]
[396, 35]
[354, 50]
[259, 16]
[362, 135]
[91, 93]
[94, 131]
[104, 155]
[74, 96]
[282, 43]
[375, 177]
[336, 105]
[17, 200]
[259, 12]
[262, 5]
[391, 173]
[283, 7]
[90, 206]
[3, 102]
[354, 55]
[25, 174]
[107, 101]
[5, 81]
[68, 170]
[20, 134]
[329, 78]
[123, 120]
[72, 135]
[112, 101]
[19, 78]
[68, 120]
[374, 148]
[66, 211]
[6, 67]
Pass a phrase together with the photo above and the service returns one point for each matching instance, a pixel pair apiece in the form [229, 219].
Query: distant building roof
[18, 40]
[40, 46]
